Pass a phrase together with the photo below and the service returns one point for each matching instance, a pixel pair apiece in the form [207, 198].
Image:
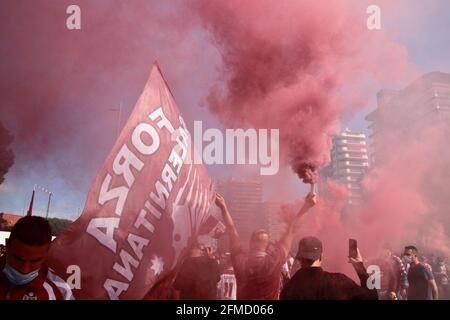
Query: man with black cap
[311, 282]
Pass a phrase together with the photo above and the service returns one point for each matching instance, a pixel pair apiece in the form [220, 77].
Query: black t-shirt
[197, 279]
[315, 284]
[418, 277]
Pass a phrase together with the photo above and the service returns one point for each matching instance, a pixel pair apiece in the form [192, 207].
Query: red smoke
[306, 172]
[57, 87]
[283, 66]
[287, 65]
[406, 201]
[295, 65]
[300, 66]
[325, 221]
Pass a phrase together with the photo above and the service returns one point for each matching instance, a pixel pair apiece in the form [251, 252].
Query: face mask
[259, 254]
[407, 259]
[18, 278]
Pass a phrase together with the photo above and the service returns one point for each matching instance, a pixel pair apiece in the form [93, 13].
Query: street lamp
[48, 204]
[50, 194]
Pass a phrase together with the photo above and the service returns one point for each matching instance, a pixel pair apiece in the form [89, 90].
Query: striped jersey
[46, 286]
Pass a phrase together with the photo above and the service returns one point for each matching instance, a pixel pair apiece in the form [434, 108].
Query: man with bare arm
[258, 272]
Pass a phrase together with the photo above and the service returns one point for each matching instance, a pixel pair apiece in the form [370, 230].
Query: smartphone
[352, 248]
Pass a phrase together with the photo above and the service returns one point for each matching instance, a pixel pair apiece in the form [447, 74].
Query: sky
[37, 53]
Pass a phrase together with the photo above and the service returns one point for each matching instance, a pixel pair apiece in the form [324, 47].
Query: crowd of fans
[266, 271]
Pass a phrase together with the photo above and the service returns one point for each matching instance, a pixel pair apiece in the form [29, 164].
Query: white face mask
[259, 254]
[17, 277]
[407, 259]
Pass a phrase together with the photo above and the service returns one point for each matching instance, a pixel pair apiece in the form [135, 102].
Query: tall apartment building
[244, 200]
[349, 162]
[423, 103]
[270, 220]
[402, 118]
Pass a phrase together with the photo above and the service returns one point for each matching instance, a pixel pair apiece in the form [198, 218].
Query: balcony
[352, 135]
[357, 164]
[345, 142]
[347, 172]
[352, 156]
[357, 149]
[347, 178]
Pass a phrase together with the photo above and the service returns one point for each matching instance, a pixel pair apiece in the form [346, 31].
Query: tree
[6, 154]
[3, 224]
[58, 225]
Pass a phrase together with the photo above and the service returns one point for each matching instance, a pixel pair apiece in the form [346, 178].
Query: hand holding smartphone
[352, 248]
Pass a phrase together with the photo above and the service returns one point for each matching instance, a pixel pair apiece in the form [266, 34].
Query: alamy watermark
[74, 278]
[374, 280]
[374, 19]
[236, 146]
[73, 21]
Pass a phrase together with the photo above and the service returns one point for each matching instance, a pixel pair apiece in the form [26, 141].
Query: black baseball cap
[309, 248]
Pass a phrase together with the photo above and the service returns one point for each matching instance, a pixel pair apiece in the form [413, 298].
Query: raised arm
[364, 292]
[229, 224]
[288, 236]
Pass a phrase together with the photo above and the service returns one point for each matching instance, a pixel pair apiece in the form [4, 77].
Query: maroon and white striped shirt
[46, 286]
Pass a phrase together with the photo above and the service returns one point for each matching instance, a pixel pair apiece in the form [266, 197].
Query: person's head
[197, 250]
[28, 244]
[410, 254]
[310, 252]
[259, 241]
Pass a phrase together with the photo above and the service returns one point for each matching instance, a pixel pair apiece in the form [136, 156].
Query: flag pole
[48, 204]
[30, 208]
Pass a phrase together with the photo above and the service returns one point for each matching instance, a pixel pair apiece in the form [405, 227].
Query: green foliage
[6, 154]
[58, 225]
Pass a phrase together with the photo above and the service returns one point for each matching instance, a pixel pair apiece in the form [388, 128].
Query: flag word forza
[146, 141]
